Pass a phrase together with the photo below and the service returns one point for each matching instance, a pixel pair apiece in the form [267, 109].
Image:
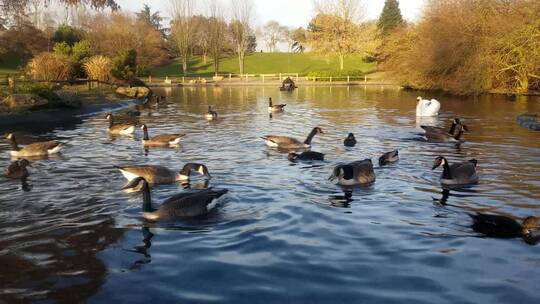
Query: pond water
[283, 233]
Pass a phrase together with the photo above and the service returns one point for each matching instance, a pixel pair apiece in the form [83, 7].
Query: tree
[331, 34]
[67, 34]
[216, 33]
[240, 29]
[17, 39]
[273, 33]
[390, 17]
[201, 37]
[182, 29]
[124, 66]
[112, 34]
[299, 37]
[153, 19]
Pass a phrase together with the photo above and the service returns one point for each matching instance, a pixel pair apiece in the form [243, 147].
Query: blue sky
[290, 12]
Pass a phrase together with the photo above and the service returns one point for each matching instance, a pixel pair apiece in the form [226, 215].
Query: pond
[283, 233]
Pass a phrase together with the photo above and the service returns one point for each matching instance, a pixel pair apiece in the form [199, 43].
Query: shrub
[98, 68]
[124, 66]
[50, 67]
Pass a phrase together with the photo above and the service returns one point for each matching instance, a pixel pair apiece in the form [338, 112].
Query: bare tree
[242, 11]
[182, 29]
[216, 32]
[273, 33]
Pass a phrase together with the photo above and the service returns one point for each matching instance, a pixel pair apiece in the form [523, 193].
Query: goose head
[419, 98]
[144, 127]
[193, 167]
[270, 101]
[317, 130]
[350, 136]
[342, 172]
[109, 117]
[10, 136]
[439, 161]
[23, 163]
[530, 224]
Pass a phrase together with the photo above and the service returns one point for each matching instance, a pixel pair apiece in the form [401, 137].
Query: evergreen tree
[390, 17]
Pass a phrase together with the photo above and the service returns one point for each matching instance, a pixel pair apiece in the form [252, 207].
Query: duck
[162, 139]
[119, 129]
[431, 129]
[307, 155]
[458, 173]
[446, 137]
[426, 107]
[181, 205]
[17, 169]
[161, 175]
[286, 142]
[355, 173]
[275, 108]
[499, 226]
[211, 115]
[34, 149]
[388, 158]
[349, 141]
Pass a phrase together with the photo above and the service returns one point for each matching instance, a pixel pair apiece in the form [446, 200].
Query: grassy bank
[267, 63]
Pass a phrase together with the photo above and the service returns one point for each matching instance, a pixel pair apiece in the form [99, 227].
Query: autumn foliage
[50, 67]
[469, 46]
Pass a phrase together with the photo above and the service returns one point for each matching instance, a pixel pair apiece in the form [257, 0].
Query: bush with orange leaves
[50, 67]
[98, 68]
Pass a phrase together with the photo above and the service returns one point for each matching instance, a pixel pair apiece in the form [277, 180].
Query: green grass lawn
[268, 63]
[9, 64]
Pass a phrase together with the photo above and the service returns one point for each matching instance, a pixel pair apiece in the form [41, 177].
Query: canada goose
[17, 169]
[499, 226]
[211, 115]
[356, 173]
[162, 175]
[187, 204]
[35, 149]
[122, 128]
[431, 129]
[162, 139]
[308, 155]
[426, 107]
[349, 141]
[447, 137]
[286, 142]
[275, 108]
[389, 157]
[458, 173]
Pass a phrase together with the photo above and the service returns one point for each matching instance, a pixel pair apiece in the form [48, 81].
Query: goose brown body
[34, 149]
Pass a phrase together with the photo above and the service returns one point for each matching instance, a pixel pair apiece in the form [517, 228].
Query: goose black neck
[310, 137]
[111, 122]
[147, 200]
[270, 102]
[145, 132]
[452, 128]
[446, 171]
[13, 144]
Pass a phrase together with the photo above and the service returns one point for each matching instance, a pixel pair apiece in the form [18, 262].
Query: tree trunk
[184, 65]
[341, 57]
[204, 57]
[241, 62]
[216, 65]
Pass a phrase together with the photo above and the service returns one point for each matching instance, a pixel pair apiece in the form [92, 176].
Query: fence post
[330, 78]
[183, 79]
[262, 78]
[149, 78]
[296, 77]
[230, 76]
[365, 78]
[280, 77]
[347, 78]
[247, 75]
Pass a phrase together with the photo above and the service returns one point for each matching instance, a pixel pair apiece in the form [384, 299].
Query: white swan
[426, 107]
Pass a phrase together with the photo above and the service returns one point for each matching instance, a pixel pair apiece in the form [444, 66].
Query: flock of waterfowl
[356, 173]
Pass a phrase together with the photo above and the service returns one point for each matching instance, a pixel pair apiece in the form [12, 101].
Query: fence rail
[259, 78]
